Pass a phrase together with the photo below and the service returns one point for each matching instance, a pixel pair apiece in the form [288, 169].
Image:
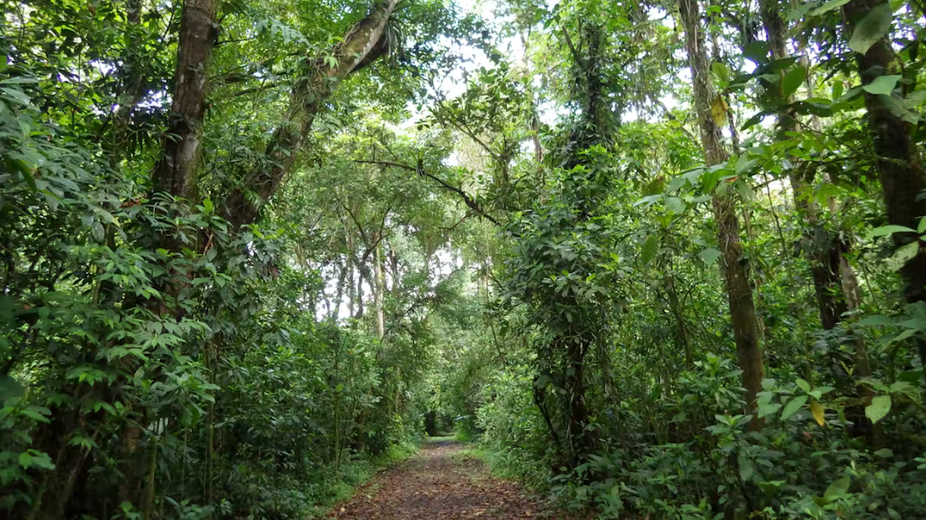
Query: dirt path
[441, 483]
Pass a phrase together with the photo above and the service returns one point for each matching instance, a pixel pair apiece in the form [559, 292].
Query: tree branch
[469, 201]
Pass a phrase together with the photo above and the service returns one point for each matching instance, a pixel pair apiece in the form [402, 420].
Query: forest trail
[442, 482]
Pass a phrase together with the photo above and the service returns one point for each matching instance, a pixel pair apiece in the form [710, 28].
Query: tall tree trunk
[736, 280]
[364, 43]
[899, 165]
[175, 174]
[181, 146]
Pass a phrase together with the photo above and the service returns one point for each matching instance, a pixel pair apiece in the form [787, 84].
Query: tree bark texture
[736, 280]
[181, 145]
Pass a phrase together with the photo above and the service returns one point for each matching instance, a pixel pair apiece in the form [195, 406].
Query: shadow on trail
[441, 482]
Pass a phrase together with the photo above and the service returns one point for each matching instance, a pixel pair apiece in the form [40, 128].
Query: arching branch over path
[363, 44]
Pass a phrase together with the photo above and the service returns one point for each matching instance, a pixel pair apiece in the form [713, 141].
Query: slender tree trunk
[681, 328]
[379, 283]
[899, 165]
[134, 92]
[533, 123]
[826, 254]
[736, 279]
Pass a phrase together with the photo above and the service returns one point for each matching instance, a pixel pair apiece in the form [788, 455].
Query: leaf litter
[442, 482]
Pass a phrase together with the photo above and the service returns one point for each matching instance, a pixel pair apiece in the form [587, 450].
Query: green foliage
[157, 363]
[516, 249]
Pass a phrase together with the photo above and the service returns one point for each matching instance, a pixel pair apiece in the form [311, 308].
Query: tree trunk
[681, 329]
[175, 174]
[826, 254]
[584, 439]
[899, 165]
[181, 146]
[736, 280]
[379, 290]
[364, 43]
[134, 85]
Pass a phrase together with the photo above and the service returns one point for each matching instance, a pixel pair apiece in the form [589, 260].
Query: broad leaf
[793, 406]
[903, 255]
[649, 249]
[828, 6]
[882, 85]
[879, 407]
[803, 385]
[875, 320]
[837, 489]
[888, 230]
[710, 255]
[792, 81]
[872, 28]
[766, 409]
[756, 51]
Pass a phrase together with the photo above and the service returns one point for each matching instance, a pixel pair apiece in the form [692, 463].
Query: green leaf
[32, 414]
[828, 6]
[756, 51]
[744, 163]
[884, 453]
[721, 70]
[900, 387]
[676, 183]
[888, 230]
[710, 255]
[9, 388]
[649, 249]
[793, 406]
[922, 227]
[766, 409]
[25, 460]
[792, 81]
[878, 408]
[26, 170]
[868, 31]
[18, 96]
[803, 385]
[875, 320]
[903, 255]
[882, 85]
[837, 489]
[675, 204]
[41, 460]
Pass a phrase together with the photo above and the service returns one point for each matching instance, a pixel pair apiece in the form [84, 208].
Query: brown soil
[442, 483]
